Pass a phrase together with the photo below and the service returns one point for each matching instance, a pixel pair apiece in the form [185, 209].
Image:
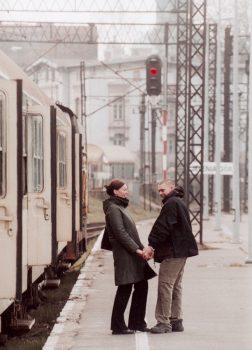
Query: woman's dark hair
[114, 185]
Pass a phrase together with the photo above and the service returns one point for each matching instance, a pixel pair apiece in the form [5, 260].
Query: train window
[2, 146]
[37, 154]
[25, 177]
[62, 165]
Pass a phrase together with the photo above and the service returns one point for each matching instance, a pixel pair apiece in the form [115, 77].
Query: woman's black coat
[123, 235]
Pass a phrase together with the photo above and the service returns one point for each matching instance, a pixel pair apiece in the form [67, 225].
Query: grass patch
[95, 211]
[96, 214]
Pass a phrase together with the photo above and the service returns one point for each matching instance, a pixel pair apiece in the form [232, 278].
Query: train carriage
[41, 197]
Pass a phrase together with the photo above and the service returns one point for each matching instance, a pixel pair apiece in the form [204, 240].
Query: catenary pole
[142, 110]
[165, 105]
[206, 127]
[218, 126]
[236, 143]
[249, 258]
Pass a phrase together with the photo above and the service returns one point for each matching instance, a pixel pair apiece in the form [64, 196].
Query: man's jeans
[169, 301]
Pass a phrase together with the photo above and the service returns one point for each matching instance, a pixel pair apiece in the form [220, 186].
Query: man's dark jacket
[171, 235]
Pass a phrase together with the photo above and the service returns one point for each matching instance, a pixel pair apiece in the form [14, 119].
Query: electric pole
[142, 110]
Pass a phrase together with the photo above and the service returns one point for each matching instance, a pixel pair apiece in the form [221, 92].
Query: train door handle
[8, 219]
[66, 198]
[45, 206]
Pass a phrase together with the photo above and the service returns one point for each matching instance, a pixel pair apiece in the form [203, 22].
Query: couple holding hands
[170, 243]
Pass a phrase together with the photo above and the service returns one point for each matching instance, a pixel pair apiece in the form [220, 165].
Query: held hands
[147, 253]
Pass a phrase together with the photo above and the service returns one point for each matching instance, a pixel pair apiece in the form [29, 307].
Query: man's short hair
[167, 182]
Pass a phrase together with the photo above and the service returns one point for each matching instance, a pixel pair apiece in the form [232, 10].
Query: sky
[38, 11]
[79, 16]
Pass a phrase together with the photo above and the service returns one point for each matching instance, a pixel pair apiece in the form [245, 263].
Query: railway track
[94, 229]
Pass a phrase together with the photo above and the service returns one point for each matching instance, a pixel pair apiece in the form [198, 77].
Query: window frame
[61, 160]
[36, 131]
[119, 110]
[3, 145]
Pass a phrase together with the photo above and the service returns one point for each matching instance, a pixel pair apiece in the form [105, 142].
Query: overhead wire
[114, 100]
[122, 77]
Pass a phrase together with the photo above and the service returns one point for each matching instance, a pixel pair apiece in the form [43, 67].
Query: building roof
[118, 154]
[94, 153]
[10, 70]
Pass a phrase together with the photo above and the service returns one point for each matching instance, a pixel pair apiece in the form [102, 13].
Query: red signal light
[153, 75]
[153, 71]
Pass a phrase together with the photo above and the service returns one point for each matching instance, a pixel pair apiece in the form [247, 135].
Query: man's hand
[148, 253]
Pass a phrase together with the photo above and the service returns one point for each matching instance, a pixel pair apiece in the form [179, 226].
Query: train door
[64, 185]
[8, 191]
[77, 182]
[80, 193]
[39, 225]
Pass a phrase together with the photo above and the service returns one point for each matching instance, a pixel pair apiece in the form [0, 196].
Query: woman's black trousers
[137, 308]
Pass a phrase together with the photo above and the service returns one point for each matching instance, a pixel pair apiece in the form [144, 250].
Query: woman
[128, 261]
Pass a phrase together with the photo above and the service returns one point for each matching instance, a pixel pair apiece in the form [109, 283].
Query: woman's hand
[146, 255]
[139, 252]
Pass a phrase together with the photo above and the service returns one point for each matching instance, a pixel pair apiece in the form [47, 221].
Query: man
[171, 241]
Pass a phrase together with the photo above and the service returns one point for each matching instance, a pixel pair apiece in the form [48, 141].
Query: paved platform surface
[217, 300]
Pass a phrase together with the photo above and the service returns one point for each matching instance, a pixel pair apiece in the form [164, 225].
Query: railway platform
[217, 301]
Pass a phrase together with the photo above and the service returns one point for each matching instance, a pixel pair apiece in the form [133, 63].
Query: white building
[114, 91]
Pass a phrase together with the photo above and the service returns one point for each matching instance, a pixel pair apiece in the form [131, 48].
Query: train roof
[10, 70]
[109, 154]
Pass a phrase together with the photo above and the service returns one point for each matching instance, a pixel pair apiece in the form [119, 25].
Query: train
[42, 190]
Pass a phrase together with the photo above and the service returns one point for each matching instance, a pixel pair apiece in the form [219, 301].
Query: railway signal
[153, 75]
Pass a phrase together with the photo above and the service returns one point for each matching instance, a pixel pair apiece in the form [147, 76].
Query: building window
[2, 146]
[122, 170]
[47, 73]
[62, 165]
[119, 110]
[53, 74]
[170, 146]
[37, 154]
[119, 139]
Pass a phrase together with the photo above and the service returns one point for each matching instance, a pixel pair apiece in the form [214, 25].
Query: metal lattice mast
[196, 77]
[211, 104]
[227, 145]
[181, 93]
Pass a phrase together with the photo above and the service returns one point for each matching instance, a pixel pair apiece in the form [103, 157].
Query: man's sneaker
[161, 328]
[177, 325]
